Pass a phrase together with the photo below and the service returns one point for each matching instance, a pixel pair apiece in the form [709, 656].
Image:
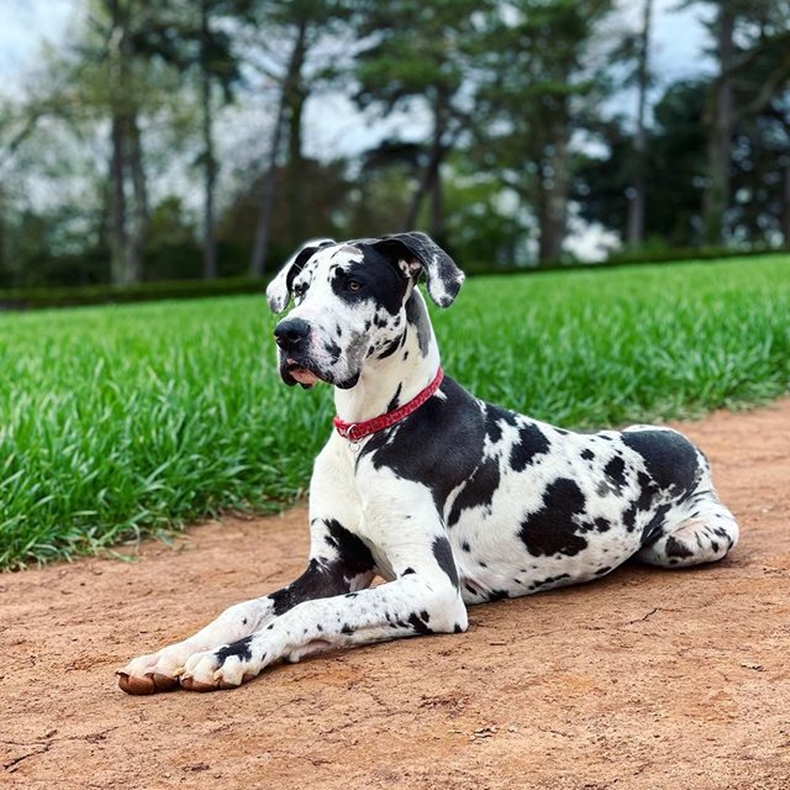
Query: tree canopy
[178, 139]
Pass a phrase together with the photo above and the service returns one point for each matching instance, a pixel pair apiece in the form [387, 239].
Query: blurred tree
[294, 30]
[758, 165]
[326, 209]
[753, 53]
[674, 170]
[198, 38]
[418, 57]
[540, 79]
[759, 175]
[637, 197]
[118, 20]
[46, 172]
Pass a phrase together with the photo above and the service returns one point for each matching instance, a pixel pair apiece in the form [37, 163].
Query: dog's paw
[152, 673]
[216, 669]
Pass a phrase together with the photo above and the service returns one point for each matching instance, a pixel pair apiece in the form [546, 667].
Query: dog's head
[350, 302]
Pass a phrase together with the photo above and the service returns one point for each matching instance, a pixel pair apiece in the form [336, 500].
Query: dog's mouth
[294, 373]
[305, 373]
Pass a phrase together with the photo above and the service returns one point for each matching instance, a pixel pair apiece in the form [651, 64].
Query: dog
[451, 500]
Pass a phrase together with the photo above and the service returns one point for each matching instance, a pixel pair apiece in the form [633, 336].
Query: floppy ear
[278, 292]
[416, 253]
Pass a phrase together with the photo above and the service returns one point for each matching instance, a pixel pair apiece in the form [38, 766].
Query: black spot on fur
[531, 443]
[415, 315]
[389, 349]
[240, 649]
[674, 548]
[445, 460]
[419, 624]
[588, 454]
[334, 351]
[615, 472]
[670, 459]
[493, 430]
[494, 416]
[408, 571]
[479, 490]
[380, 281]
[444, 556]
[315, 582]
[653, 527]
[395, 402]
[322, 580]
[354, 555]
[498, 595]
[602, 525]
[548, 581]
[551, 530]
[648, 491]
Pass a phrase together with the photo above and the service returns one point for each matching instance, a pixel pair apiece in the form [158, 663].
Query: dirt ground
[673, 680]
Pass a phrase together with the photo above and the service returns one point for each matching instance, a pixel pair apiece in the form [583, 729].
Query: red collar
[354, 431]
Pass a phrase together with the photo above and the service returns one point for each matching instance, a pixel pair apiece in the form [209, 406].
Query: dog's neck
[385, 384]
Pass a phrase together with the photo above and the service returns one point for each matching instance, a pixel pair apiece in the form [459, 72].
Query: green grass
[127, 420]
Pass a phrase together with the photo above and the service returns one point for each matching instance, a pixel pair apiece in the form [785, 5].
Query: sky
[24, 24]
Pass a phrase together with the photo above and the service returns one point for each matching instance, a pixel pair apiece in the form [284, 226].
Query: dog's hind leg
[705, 535]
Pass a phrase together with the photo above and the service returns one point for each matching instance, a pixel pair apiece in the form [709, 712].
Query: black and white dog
[451, 500]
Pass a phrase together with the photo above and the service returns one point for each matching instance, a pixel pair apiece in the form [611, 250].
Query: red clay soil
[667, 680]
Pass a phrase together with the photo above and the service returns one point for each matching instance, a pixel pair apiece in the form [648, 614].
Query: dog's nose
[291, 333]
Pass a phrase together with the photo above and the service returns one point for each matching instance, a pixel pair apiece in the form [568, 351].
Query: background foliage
[168, 139]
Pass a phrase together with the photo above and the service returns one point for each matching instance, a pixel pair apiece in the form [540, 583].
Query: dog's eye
[353, 285]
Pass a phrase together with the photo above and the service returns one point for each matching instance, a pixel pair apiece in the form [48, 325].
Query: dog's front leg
[423, 599]
[339, 563]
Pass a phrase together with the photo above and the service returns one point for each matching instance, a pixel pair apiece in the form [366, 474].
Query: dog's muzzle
[293, 339]
[292, 335]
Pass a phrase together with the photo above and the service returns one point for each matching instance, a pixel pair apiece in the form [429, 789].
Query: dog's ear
[279, 290]
[417, 253]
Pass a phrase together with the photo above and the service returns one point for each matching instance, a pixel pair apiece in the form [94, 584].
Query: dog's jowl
[453, 501]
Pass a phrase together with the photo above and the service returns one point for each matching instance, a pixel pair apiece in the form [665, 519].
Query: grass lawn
[119, 421]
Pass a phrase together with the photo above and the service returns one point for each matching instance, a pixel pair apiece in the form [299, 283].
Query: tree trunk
[139, 229]
[636, 205]
[209, 159]
[430, 182]
[295, 101]
[269, 182]
[127, 239]
[117, 230]
[437, 204]
[720, 123]
[554, 196]
[425, 186]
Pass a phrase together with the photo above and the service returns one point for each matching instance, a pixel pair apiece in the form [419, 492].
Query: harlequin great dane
[453, 501]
